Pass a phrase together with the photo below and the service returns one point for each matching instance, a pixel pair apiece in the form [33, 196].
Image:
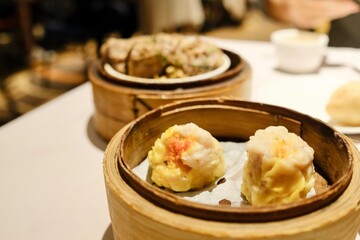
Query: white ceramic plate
[346, 129]
[123, 77]
[356, 65]
[306, 94]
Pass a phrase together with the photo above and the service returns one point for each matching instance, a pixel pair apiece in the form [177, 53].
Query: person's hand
[311, 13]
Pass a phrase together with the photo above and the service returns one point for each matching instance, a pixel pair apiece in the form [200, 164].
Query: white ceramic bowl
[299, 51]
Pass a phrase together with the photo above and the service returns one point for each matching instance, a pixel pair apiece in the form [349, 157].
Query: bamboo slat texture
[118, 103]
[140, 210]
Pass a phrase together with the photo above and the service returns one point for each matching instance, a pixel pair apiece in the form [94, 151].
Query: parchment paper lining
[235, 156]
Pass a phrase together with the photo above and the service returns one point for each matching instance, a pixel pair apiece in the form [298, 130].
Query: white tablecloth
[51, 180]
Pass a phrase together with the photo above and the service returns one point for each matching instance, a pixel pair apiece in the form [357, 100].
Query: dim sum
[186, 157]
[279, 168]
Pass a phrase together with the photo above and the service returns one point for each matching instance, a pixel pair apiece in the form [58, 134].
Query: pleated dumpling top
[279, 168]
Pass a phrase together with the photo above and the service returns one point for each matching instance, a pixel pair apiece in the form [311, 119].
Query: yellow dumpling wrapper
[279, 168]
[186, 157]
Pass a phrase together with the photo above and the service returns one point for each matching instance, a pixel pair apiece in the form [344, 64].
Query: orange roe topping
[175, 146]
[280, 149]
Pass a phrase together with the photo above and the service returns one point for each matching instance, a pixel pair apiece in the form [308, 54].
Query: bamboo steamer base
[116, 105]
[106, 126]
[135, 217]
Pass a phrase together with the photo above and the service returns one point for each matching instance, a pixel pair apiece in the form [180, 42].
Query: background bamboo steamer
[63, 69]
[26, 94]
[134, 216]
[66, 70]
[50, 75]
[117, 104]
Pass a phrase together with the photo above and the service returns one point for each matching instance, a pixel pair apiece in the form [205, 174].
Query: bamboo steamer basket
[117, 103]
[66, 70]
[26, 94]
[63, 69]
[138, 211]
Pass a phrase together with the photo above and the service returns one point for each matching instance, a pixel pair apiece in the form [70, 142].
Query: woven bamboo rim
[135, 216]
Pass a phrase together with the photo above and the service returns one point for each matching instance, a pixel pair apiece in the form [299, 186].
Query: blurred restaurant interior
[45, 45]
[88, 86]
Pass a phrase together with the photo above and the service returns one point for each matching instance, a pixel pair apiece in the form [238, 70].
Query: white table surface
[51, 180]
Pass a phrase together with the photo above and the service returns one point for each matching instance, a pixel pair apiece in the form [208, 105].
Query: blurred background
[46, 45]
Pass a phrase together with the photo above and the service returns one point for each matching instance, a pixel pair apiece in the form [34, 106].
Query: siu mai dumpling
[186, 157]
[279, 168]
